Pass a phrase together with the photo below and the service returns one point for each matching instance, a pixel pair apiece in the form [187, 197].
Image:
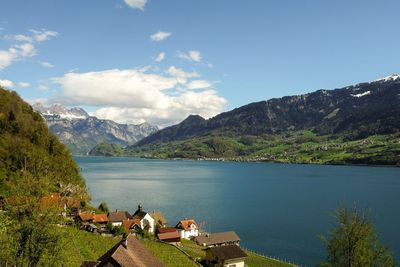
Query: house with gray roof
[218, 239]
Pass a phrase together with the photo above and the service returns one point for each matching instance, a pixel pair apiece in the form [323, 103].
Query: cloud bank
[136, 95]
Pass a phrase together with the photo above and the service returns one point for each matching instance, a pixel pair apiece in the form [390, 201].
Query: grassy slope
[84, 246]
[168, 255]
[253, 260]
[299, 147]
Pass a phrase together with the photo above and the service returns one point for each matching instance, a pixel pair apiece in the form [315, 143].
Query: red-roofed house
[187, 228]
[131, 225]
[169, 235]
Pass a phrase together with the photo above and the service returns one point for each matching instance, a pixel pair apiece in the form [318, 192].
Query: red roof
[100, 218]
[169, 235]
[167, 230]
[185, 224]
[86, 216]
[129, 223]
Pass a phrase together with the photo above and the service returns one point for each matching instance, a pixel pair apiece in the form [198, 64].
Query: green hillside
[30, 153]
[33, 164]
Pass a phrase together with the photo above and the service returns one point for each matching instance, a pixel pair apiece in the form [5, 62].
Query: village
[221, 249]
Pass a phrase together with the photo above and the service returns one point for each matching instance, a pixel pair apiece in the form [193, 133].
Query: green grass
[168, 254]
[84, 246]
[253, 260]
[296, 147]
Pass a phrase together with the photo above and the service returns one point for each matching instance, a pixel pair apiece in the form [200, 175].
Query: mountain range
[355, 124]
[355, 111]
[81, 132]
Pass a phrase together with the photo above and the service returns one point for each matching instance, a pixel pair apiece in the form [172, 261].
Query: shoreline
[247, 161]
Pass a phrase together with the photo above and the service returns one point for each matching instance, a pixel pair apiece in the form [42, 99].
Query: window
[232, 265]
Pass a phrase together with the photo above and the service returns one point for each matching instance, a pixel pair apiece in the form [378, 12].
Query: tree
[159, 219]
[104, 207]
[353, 243]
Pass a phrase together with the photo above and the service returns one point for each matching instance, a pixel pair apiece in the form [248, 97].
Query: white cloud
[135, 96]
[180, 75]
[199, 84]
[160, 57]
[6, 58]
[43, 35]
[26, 49]
[46, 64]
[139, 4]
[43, 101]
[192, 55]
[7, 83]
[159, 36]
[23, 38]
[23, 85]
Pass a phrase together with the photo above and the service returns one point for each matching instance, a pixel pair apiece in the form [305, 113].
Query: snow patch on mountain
[362, 94]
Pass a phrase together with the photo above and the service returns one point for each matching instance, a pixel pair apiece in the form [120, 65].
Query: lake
[276, 209]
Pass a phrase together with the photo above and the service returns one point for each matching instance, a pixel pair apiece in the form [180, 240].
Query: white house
[116, 218]
[146, 221]
[187, 228]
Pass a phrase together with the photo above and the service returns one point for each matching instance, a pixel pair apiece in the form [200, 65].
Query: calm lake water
[276, 209]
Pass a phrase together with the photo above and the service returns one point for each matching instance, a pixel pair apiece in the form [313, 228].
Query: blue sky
[210, 55]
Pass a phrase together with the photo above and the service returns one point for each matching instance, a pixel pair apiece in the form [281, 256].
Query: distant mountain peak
[60, 110]
[81, 131]
[390, 78]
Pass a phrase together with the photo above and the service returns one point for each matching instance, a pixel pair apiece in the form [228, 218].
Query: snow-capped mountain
[81, 132]
[61, 111]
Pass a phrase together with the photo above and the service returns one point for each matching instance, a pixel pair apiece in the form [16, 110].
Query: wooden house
[225, 256]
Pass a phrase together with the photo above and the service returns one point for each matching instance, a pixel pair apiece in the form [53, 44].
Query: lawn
[168, 254]
[84, 246]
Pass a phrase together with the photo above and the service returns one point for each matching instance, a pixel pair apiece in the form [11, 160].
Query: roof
[118, 216]
[84, 216]
[218, 238]
[185, 224]
[169, 235]
[139, 213]
[129, 223]
[100, 218]
[227, 252]
[167, 230]
[132, 254]
[93, 226]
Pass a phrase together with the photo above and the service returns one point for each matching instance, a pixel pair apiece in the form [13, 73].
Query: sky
[158, 61]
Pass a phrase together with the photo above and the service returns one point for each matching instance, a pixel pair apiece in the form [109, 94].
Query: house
[146, 221]
[85, 218]
[187, 228]
[218, 239]
[225, 256]
[101, 221]
[66, 205]
[131, 225]
[169, 235]
[117, 217]
[127, 253]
